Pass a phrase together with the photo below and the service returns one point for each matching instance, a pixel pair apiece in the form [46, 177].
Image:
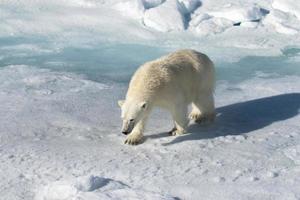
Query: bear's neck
[140, 96]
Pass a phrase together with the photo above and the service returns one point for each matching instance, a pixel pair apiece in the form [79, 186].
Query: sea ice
[166, 17]
[290, 6]
[65, 64]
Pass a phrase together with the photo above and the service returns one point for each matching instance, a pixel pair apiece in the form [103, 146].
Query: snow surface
[64, 64]
[289, 6]
[167, 17]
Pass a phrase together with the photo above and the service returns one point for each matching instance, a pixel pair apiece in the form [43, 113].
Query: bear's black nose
[125, 132]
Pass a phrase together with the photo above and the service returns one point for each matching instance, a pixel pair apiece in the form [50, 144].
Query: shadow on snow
[244, 117]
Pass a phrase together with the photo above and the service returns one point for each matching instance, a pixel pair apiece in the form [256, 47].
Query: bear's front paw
[175, 132]
[134, 139]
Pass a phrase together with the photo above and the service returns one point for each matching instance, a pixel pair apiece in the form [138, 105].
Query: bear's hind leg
[195, 113]
[179, 116]
[203, 109]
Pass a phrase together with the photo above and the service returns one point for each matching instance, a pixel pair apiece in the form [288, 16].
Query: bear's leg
[136, 136]
[180, 120]
[203, 109]
[195, 113]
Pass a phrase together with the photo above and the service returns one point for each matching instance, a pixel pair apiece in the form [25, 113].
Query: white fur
[172, 82]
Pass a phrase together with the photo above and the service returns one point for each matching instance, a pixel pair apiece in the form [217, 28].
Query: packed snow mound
[133, 8]
[211, 25]
[165, 18]
[283, 22]
[172, 15]
[290, 6]
[189, 6]
[152, 3]
[144, 20]
[238, 14]
[96, 188]
[213, 18]
[204, 17]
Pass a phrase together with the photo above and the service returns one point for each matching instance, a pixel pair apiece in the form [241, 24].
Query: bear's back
[183, 68]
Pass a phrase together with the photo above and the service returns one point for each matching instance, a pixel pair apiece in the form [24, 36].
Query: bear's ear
[120, 103]
[144, 105]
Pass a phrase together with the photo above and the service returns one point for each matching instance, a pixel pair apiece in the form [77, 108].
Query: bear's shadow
[244, 117]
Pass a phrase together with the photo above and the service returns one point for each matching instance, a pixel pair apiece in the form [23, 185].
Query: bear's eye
[131, 120]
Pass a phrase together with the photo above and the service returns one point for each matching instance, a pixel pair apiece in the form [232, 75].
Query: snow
[78, 23]
[290, 6]
[283, 22]
[152, 3]
[84, 186]
[189, 6]
[132, 8]
[65, 64]
[167, 17]
[64, 149]
[212, 26]
[238, 14]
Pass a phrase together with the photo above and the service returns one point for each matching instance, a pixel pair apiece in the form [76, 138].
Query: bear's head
[132, 112]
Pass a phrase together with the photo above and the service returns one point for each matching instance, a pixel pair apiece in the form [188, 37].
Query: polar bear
[172, 82]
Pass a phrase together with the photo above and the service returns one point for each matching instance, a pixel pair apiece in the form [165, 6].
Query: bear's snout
[127, 127]
[125, 132]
